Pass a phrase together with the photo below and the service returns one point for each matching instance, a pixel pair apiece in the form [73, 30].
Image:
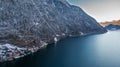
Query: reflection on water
[101, 50]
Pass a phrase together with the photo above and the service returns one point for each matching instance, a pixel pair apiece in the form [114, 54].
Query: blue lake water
[102, 50]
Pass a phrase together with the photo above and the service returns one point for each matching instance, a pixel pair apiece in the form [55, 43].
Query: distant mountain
[113, 25]
[34, 23]
[114, 22]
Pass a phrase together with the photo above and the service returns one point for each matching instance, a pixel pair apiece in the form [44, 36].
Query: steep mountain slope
[30, 23]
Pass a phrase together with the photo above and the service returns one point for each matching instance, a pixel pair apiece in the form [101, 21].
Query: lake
[101, 50]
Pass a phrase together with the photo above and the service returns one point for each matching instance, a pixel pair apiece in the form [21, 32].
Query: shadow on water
[89, 51]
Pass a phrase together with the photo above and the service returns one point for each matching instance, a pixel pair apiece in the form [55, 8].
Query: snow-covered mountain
[28, 23]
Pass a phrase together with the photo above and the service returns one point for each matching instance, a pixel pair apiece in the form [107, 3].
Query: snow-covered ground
[9, 46]
[10, 52]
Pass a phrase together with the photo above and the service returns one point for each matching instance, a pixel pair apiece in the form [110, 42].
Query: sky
[101, 10]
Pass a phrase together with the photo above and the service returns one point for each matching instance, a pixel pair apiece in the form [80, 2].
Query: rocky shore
[9, 52]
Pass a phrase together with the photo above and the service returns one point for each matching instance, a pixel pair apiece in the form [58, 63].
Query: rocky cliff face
[28, 23]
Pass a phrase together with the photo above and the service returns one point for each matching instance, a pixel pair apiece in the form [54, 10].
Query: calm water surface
[101, 50]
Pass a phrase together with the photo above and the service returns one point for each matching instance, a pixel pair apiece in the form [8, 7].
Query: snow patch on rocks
[10, 52]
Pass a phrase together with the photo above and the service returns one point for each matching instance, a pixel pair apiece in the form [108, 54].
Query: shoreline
[16, 52]
[13, 52]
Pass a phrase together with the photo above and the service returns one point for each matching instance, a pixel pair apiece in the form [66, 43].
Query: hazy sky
[101, 10]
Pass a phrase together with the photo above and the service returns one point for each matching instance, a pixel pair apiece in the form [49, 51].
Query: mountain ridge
[112, 25]
[35, 23]
[114, 22]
